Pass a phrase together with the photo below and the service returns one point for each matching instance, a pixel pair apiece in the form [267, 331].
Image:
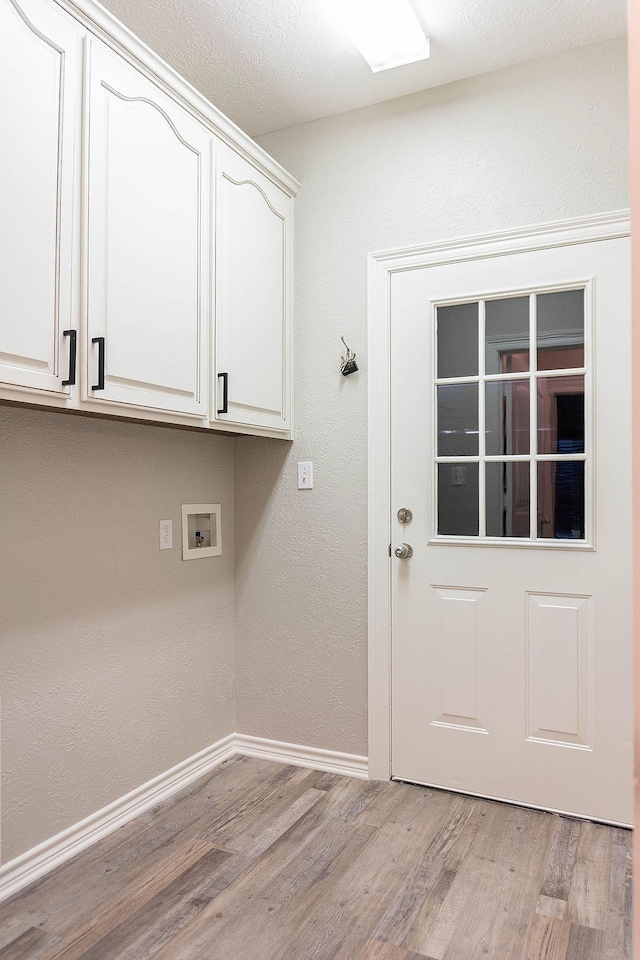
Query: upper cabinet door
[148, 197]
[39, 79]
[253, 298]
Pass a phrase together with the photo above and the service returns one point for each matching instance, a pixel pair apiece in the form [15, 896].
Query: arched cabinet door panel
[148, 197]
[40, 48]
[253, 348]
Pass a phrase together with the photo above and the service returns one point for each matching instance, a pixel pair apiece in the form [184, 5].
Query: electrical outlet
[166, 534]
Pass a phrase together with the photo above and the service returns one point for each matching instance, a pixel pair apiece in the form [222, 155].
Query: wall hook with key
[348, 362]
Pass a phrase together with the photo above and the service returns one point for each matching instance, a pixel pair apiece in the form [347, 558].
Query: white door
[148, 243]
[253, 297]
[511, 445]
[40, 84]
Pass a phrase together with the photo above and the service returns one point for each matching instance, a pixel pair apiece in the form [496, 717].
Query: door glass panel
[507, 494]
[561, 505]
[458, 340]
[458, 499]
[560, 330]
[458, 420]
[512, 416]
[507, 335]
[561, 415]
[507, 417]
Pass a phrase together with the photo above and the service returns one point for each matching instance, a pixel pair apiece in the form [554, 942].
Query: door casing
[381, 266]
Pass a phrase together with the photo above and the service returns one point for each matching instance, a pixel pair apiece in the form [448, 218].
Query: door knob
[404, 551]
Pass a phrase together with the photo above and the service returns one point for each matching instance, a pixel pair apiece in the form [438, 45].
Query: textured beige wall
[539, 141]
[116, 659]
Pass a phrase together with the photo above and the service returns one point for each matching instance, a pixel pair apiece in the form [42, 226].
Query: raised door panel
[148, 243]
[39, 76]
[558, 668]
[460, 641]
[253, 341]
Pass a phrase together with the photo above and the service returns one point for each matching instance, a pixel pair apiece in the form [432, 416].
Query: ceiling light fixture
[386, 32]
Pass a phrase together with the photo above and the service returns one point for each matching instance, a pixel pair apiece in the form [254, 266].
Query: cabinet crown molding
[99, 20]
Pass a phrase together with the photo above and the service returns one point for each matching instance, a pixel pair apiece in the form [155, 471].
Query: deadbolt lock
[405, 515]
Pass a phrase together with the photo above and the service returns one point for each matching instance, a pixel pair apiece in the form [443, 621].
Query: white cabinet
[145, 241]
[39, 78]
[148, 199]
[253, 297]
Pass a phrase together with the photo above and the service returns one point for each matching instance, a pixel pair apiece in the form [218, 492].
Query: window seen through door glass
[458, 514]
[561, 506]
[561, 414]
[507, 417]
[560, 330]
[458, 420]
[507, 335]
[507, 494]
[458, 340]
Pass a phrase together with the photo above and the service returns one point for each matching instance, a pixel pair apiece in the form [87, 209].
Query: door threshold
[516, 803]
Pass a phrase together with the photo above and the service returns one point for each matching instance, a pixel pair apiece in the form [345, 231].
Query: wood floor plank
[266, 829]
[414, 934]
[473, 901]
[52, 914]
[379, 950]
[498, 880]
[389, 804]
[549, 939]
[474, 873]
[585, 943]
[306, 884]
[426, 820]
[105, 869]
[234, 925]
[588, 899]
[527, 869]
[407, 922]
[617, 935]
[24, 946]
[335, 918]
[315, 866]
[257, 821]
[315, 851]
[551, 907]
[114, 913]
[562, 858]
[142, 934]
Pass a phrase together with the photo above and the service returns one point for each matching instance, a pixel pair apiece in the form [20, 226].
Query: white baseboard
[35, 863]
[347, 764]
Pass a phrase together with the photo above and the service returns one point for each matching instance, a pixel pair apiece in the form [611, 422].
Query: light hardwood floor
[261, 861]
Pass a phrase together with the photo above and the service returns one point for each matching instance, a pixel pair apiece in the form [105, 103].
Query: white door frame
[381, 265]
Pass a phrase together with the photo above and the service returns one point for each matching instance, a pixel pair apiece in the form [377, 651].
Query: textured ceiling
[270, 64]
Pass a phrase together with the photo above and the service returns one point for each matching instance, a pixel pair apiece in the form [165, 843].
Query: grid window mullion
[482, 505]
[533, 417]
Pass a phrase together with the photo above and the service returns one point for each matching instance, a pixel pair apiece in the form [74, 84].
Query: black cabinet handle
[225, 392]
[100, 384]
[73, 346]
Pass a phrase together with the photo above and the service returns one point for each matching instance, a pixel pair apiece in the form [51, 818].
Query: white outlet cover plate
[166, 534]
